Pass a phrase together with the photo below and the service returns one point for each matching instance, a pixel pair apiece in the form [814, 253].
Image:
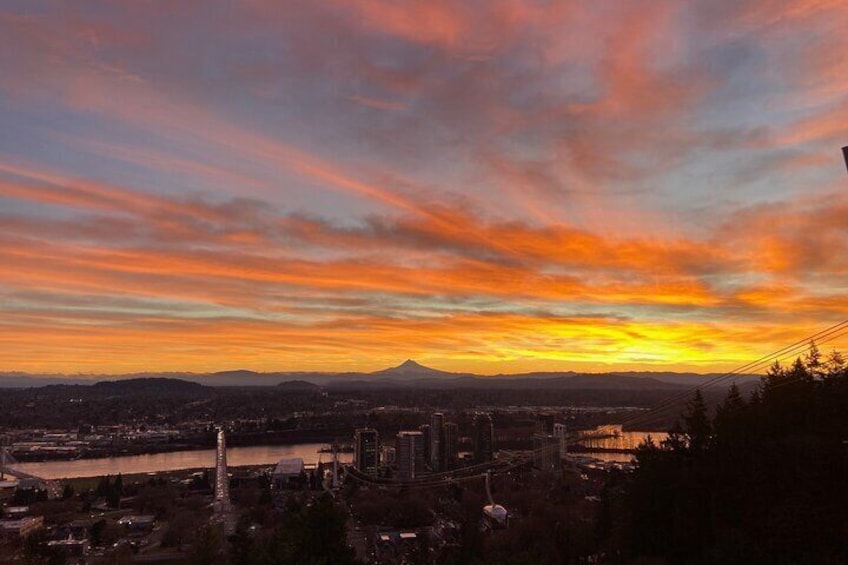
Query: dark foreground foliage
[761, 481]
[312, 534]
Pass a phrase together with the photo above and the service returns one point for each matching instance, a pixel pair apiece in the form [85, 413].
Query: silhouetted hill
[608, 381]
[569, 382]
[298, 386]
[237, 374]
[244, 377]
[688, 379]
[407, 374]
[148, 384]
[358, 384]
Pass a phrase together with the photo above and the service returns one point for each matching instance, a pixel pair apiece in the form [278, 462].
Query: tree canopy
[761, 480]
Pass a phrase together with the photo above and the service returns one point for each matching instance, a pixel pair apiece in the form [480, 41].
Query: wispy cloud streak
[337, 185]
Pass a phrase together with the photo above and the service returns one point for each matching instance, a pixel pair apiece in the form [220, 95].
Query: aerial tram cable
[824, 336]
[500, 467]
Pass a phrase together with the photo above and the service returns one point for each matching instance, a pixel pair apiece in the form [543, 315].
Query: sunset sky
[489, 186]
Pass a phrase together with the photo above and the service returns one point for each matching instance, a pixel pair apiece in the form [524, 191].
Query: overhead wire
[662, 409]
[673, 402]
[428, 482]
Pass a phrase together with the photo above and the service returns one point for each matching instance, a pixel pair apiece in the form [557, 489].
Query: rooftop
[289, 466]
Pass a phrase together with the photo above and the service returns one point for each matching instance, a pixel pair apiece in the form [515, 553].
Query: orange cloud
[550, 185]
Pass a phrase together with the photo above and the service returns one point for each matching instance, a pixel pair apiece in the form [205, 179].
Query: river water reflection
[177, 460]
[267, 455]
[614, 438]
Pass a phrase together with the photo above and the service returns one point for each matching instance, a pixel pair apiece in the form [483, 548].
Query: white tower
[222, 480]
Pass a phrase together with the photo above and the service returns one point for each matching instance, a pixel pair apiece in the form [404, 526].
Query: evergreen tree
[762, 482]
[730, 409]
[813, 362]
[697, 423]
[835, 366]
[311, 535]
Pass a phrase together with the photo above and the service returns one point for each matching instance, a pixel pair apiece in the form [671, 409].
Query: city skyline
[535, 186]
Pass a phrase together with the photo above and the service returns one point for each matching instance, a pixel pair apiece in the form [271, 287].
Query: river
[263, 455]
[177, 460]
[614, 438]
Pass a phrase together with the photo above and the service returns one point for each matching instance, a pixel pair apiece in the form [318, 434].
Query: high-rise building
[483, 438]
[410, 454]
[546, 453]
[545, 424]
[560, 433]
[366, 446]
[549, 447]
[436, 423]
[425, 431]
[389, 456]
[450, 441]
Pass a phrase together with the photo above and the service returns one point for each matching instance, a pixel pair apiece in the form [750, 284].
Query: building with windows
[389, 456]
[545, 424]
[366, 450]
[450, 442]
[428, 440]
[483, 438]
[546, 453]
[437, 422]
[549, 445]
[410, 454]
[560, 433]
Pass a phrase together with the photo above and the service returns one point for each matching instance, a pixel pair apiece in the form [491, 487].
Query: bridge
[7, 467]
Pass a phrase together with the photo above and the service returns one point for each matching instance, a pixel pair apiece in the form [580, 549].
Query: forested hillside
[758, 480]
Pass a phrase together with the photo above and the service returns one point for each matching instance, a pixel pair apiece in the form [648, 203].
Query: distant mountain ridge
[145, 384]
[408, 374]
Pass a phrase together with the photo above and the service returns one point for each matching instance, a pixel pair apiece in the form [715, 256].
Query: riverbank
[177, 461]
[205, 441]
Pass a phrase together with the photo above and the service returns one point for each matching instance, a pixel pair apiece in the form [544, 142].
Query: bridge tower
[222, 480]
[221, 503]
